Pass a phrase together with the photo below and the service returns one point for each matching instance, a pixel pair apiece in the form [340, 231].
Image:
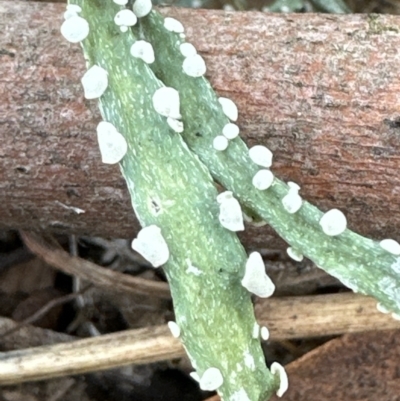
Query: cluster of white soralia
[255, 278]
[229, 108]
[167, 103]
[262, 156]
[194, 66]
[142, 7]
[143, 50]
[211, 379]
[263, 179]
[175, 329]
[333, 222]
[151, 244]
[292, 200]
[391, 246]
[94, 82]
[229, 131]
[260, 331]
[126, 18]
[264, 333]
[277, 368]
[74, 28]
[72, 11]
[112, 144]
[230, 212]
[173, 25]
[187, 49]
[295, 254]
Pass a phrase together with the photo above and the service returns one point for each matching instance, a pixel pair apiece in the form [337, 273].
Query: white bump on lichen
[142, 7]
[249, 360]
[223, 196]
[69, 14]
[230, 213]
[255, 279]
[264, 333]
[192, 269]
[151, 245]
[293, 186]
[112, 144]
[256, 331]
[125, 17]
[176, 125]
[263, 179]
[230, 131]
[381, 308]
[187, 49]
[211, 379]
[174, 328]
[229, 108]
[75, 29]
[333, 222]
[292, 201]
[194, 66]
[294, 254]
[277, 368]
[391, 246]
[123, 28]
[74, 8]
[94, 82]
[143, 50]
[395, 316]
[261, 155]
[195, 376]
[220, 143]
[166, 102]
[173, 25]
[72, 11]
[121, 2]
[239, 395]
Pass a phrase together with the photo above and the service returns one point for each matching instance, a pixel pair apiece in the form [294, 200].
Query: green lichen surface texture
[359, 263]
[171, 188]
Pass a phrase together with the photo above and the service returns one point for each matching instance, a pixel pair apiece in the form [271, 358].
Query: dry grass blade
[104, 352]
[293, 317]
[97, 275]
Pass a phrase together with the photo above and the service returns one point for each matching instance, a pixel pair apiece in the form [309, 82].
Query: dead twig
[97, 275]
[44, 310]
[293, 317]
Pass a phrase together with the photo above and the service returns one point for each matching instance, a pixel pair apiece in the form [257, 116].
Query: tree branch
[318, 90]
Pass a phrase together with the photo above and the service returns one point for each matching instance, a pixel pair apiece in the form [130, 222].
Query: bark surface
[321, 91]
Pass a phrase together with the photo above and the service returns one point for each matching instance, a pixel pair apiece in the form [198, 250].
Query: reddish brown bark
[321, 91]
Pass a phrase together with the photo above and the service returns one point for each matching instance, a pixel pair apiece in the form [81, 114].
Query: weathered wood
[320, 90]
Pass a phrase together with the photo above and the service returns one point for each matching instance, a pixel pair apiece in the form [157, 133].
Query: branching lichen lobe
[213, 310]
